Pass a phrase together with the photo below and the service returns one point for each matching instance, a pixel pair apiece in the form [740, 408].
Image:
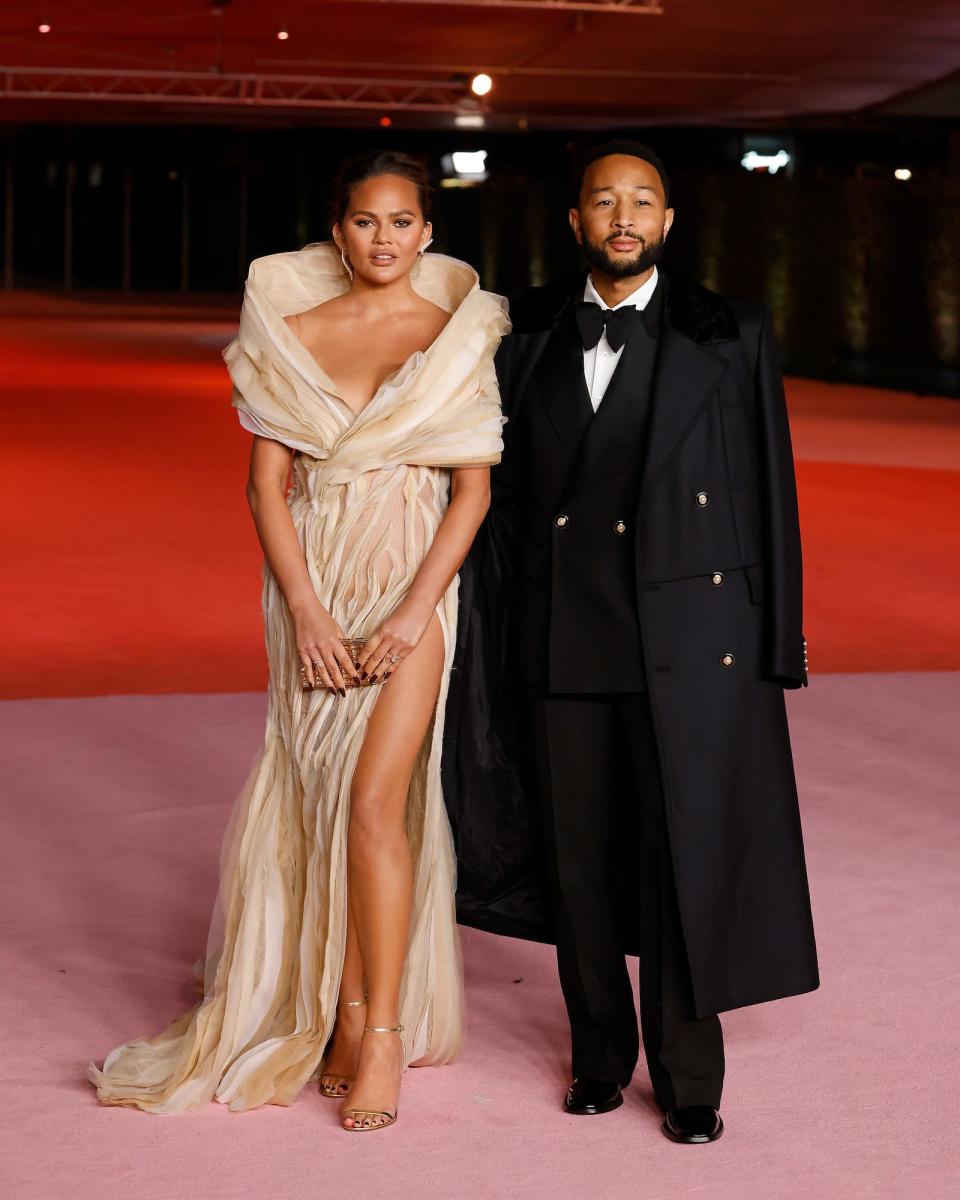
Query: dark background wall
[862, 271]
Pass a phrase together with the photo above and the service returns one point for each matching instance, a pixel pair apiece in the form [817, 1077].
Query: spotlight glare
[767, 163]
[469, 163]
[43, 28]
[903, 174]
[282, 35]
[386, 122]
[481, 84]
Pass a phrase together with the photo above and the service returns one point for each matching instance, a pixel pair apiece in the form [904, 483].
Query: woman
[366, 370]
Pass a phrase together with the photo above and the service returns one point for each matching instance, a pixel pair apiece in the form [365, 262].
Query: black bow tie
[593, 321]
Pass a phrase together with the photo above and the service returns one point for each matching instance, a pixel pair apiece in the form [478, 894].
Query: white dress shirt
[600, 362]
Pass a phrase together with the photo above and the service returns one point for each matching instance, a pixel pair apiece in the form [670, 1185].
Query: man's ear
[573, 216]
[667, 221]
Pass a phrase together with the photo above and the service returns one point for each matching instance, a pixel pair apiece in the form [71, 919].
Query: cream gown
[367, 496]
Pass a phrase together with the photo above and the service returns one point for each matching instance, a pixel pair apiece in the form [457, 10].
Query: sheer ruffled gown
[368, 493]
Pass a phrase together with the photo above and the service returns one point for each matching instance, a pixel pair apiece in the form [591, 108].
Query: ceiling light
[481, 84]
[43, 28]
[282, 35]
[903, 174]
[469, 120]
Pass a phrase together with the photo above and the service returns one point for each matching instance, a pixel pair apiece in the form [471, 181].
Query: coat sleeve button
[703, 499]
[717, 578]
[620, 527]
[561, 520]
[727, 659]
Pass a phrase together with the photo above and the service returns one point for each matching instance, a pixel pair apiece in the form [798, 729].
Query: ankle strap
[383, 1028]
[353, 1003]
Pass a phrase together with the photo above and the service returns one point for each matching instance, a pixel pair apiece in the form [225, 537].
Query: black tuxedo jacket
[576, 474]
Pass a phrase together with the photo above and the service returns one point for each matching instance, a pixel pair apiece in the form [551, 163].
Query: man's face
[621, 220]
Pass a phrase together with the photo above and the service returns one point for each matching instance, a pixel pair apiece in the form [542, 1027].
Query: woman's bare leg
[380, 867]
[341, 1058]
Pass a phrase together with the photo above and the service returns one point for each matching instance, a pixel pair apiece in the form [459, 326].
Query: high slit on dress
[368, 493]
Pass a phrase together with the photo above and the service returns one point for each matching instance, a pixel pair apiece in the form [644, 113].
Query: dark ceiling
[555, 63]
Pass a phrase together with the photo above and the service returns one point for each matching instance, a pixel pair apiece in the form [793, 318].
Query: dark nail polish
[343, 692]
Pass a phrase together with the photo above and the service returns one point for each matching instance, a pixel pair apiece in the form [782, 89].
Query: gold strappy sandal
[383, 1119]
[338, 1086]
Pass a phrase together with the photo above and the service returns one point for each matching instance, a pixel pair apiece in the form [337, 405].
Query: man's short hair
[623, 146]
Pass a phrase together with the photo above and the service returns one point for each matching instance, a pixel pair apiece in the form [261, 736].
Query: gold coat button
[717, 578]
[562, 520]
[727, 659]
[703, 499]
[620, 527]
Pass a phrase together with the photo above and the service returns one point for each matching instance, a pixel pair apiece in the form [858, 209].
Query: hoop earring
[346, 263]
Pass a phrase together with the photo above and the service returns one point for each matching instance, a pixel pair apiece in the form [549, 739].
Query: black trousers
[611, 879]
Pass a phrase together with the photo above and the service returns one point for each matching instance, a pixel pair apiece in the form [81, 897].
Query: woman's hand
[400, 633]
[323, 656]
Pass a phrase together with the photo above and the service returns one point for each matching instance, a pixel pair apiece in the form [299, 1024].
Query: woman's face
[383, 228]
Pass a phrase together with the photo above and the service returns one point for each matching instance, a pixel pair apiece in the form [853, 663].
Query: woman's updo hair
[371, 165]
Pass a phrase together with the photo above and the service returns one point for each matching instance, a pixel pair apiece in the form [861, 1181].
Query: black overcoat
[719, 598]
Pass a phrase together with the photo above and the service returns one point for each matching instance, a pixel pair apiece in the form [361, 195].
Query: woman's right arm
[318, 635]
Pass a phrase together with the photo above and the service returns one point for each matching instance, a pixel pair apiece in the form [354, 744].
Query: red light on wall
[386, 122]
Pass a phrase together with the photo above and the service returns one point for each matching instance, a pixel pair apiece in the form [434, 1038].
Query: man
[649, 477]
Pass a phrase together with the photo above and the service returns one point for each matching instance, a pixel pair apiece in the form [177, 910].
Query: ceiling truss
[648, 8]
[232, 90]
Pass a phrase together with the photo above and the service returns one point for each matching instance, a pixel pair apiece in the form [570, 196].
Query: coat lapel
[686, 375]
[560, 383]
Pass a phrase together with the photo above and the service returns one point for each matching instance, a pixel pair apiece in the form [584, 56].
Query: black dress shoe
[590, 1097]
[693, 1125]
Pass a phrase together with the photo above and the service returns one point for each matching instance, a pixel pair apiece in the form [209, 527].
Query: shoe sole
[592, 1110]
[702, 1140]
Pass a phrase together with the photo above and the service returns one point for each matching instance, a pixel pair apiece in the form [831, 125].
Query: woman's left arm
[406, 625]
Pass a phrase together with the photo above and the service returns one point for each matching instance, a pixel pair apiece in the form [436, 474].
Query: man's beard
[648, 257]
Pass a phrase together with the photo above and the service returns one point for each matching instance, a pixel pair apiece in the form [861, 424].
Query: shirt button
[717, 578]
[561, 520]
[703, 499]
[727, 659]
[620, 527]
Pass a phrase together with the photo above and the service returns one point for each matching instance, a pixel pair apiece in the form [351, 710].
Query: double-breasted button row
[561, 520]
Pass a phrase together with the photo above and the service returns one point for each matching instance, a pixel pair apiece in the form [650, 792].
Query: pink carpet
[848, 1092]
